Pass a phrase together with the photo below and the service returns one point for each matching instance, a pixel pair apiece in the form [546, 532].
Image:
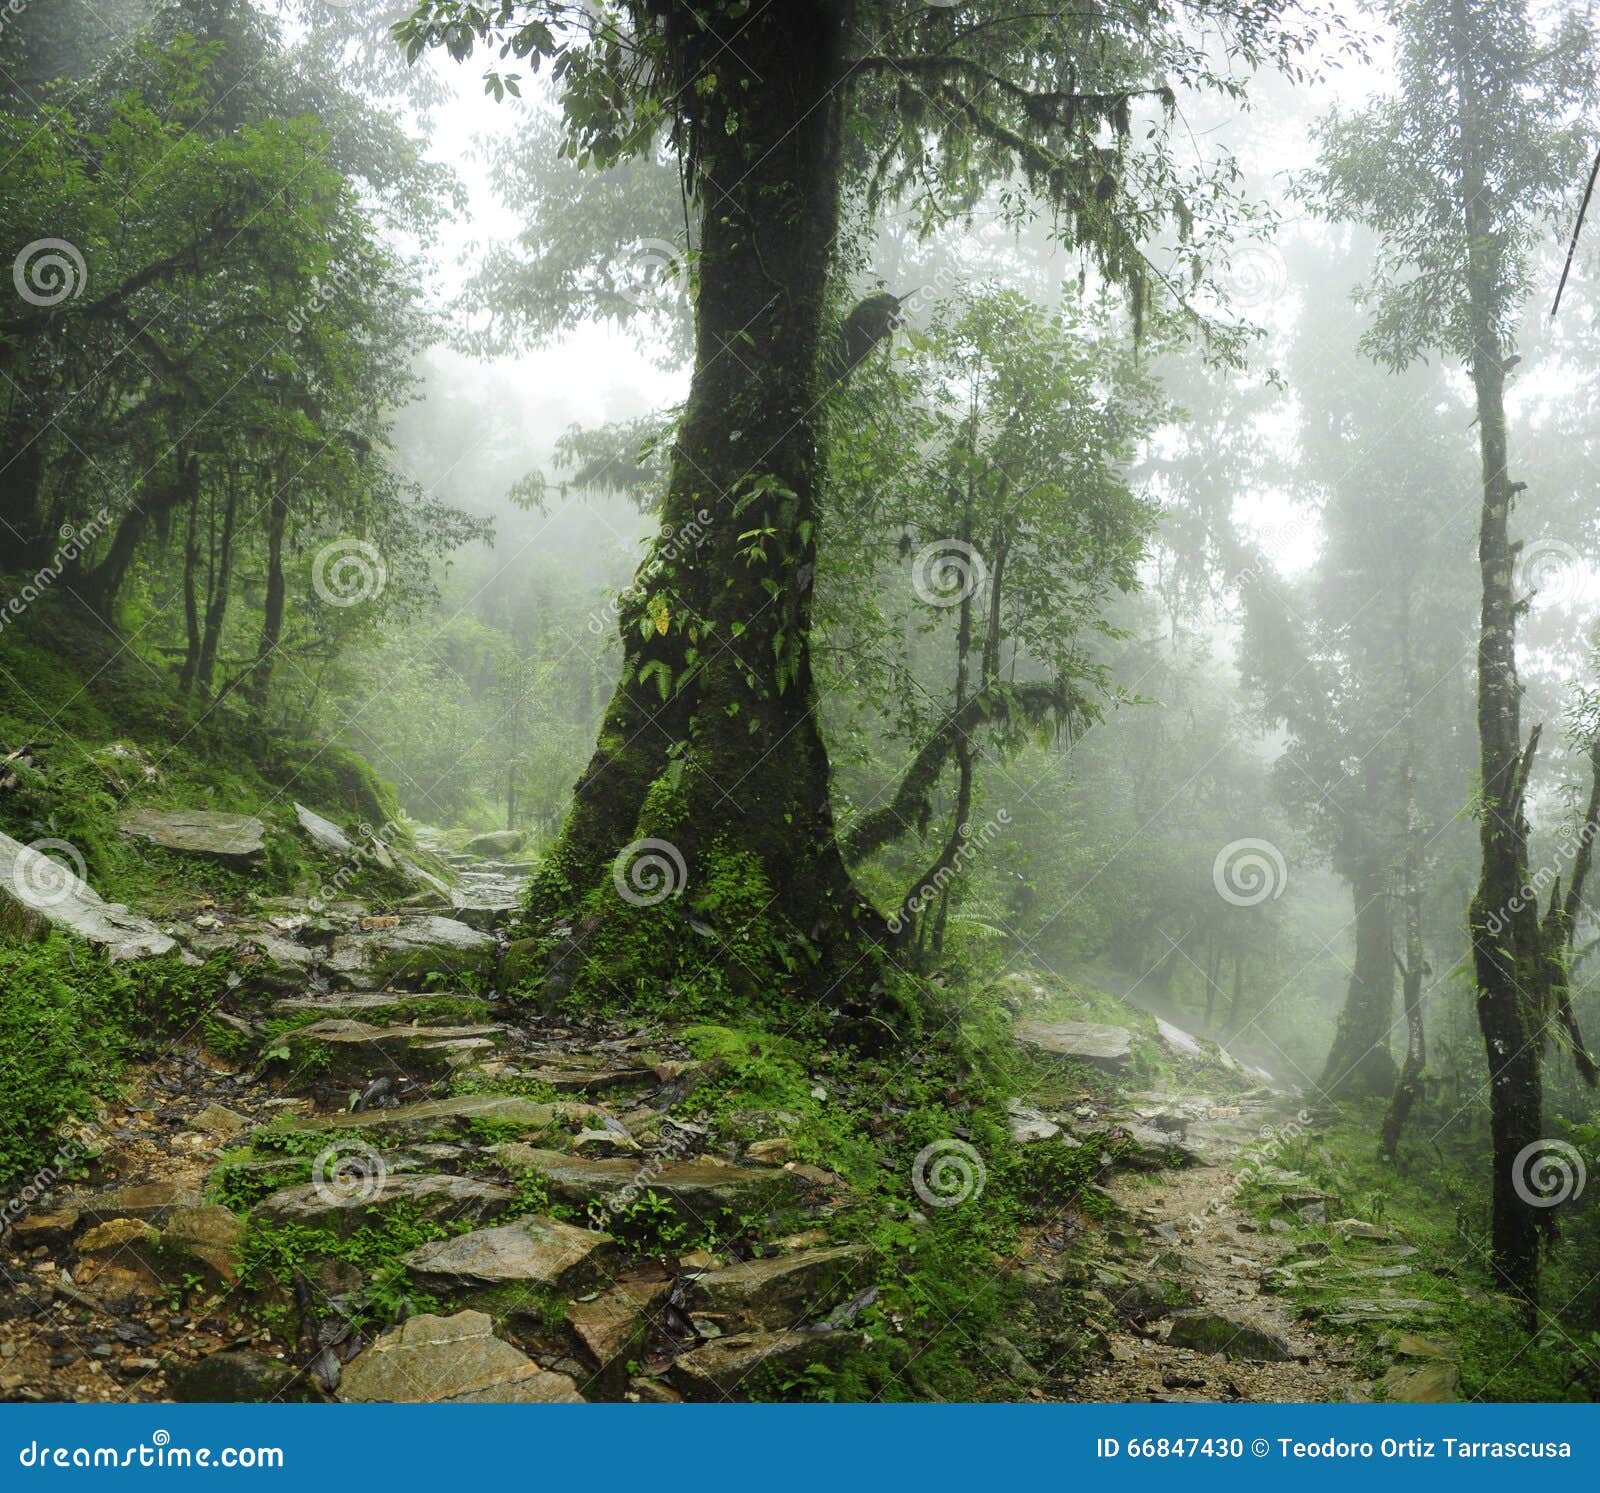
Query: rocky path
[539, 1206]
[353, 1184]
[1205, 1298]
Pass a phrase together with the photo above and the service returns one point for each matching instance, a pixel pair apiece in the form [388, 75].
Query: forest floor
[330, 1155]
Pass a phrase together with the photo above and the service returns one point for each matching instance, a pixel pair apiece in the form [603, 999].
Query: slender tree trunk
[1504, 924]
[711, 740]
[1408, 1091]
[273, 603]
[191, 599]
[1213, 972]
[217, 597]
[1236, 1022]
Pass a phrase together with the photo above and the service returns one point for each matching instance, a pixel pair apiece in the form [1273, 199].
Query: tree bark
[1408, 1091]
[221, 578]
[711, 739]
[1504, 923]
[1359, 1062]
[272, 603]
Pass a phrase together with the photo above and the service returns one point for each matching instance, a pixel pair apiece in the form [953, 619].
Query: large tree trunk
[711, 740]
[1359, 1062]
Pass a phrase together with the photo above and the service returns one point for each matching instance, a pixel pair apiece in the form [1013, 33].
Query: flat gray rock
[432, 1360]
[697, 1192]
[1108, 1047]
[1175, 1039]
[323, 833]
[496, 842]
[346, 1049]
[151, 1202]
[783, 1292]
[455, 1116]
[229, 837]
[345, 1209]
[366, 1005]
[1027, 1124]
[409, 951]
[39, 892]
[1209, 1332]
[529, 1252]
[748, 1365]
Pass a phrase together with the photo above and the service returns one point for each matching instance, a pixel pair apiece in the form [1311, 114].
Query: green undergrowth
[1434, 1201]
[272, 1255]
[717, 951]
[934, 1114]
[68, 1023]
[1047, 997]
[116, 733]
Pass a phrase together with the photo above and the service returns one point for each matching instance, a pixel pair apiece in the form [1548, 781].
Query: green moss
[68, 1021]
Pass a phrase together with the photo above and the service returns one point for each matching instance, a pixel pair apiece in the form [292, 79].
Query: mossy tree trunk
[711, 740]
